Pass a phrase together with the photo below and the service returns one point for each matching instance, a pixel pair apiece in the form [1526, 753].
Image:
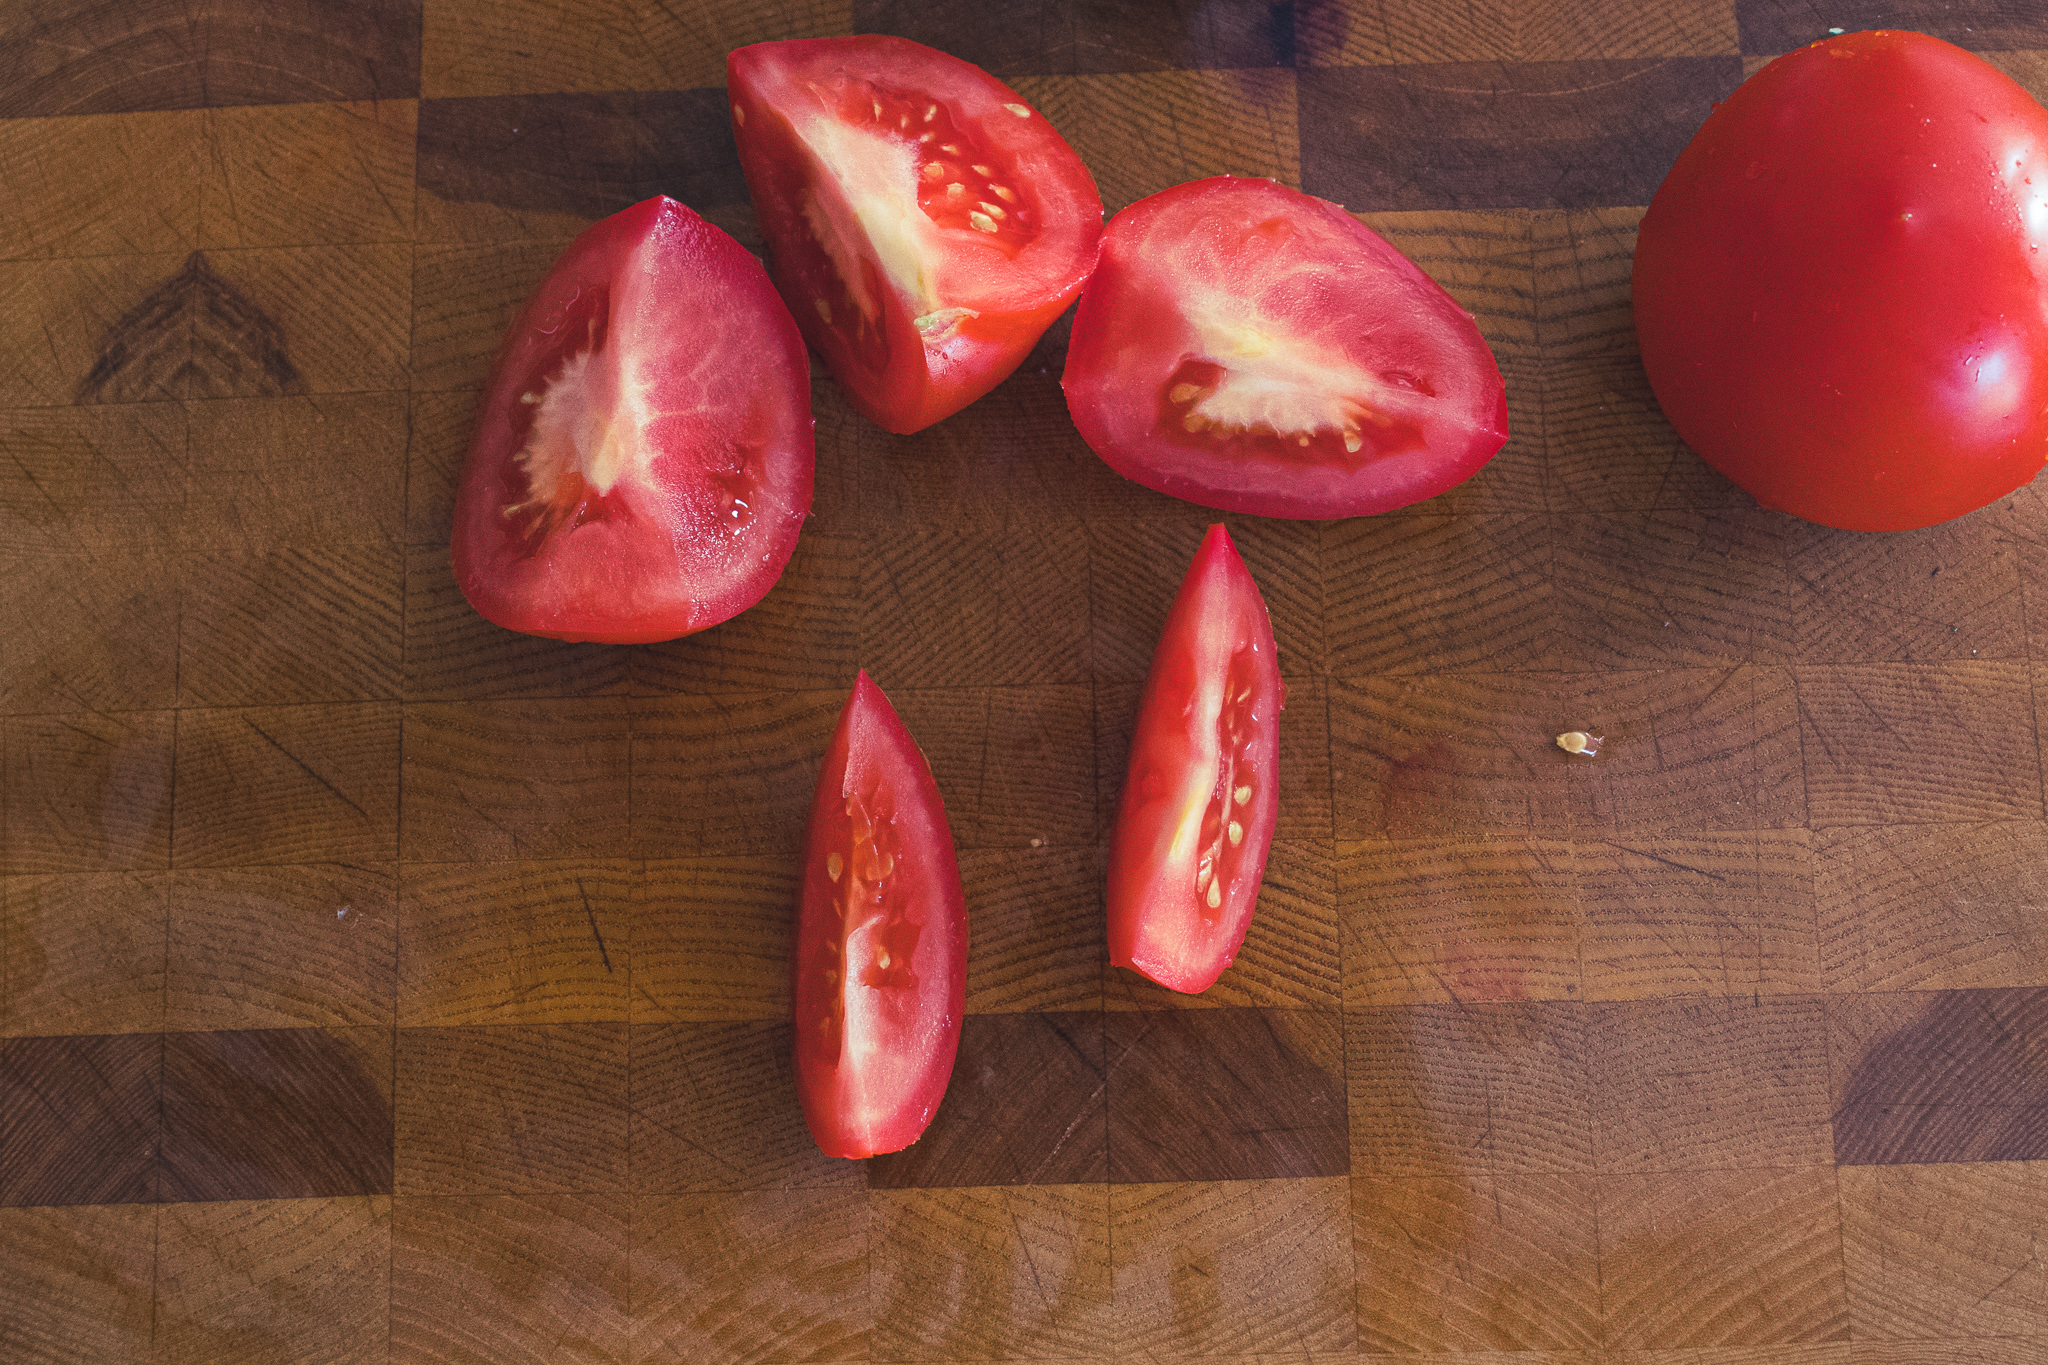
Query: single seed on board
[1019, 110]
[1215, 894]
[1579, 742]
[1236, 833]
[1242, 794]
[1004, 193]
[1184, 393]
[981, 222]
[834, 865]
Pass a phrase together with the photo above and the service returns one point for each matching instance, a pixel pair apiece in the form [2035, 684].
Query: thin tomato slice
[643, 457]
[1200, 802]
[925, 224]
[1246, 346]
[879, 974]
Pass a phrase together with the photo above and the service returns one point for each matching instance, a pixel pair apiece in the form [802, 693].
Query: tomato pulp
[1196, 819]
[1840, 288]
[643, 458]
[1246, 346]
[925, 224]
[879, 973]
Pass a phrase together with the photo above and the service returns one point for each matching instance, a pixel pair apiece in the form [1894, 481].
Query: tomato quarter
[1246, 346]
[1840, 288]
[643, 458]
[925, 224]
[1202, 796]
[879, 972]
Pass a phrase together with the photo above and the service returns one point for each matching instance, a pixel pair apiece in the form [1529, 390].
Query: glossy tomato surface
[925, 224]
[1840, 286]
[1246, 346]
[643, 457]
[1199, 804]
[879, 973]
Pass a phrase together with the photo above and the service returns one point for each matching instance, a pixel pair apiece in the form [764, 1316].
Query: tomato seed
[834, 865]
[982, 222]
[1241, 795]
[1019, 110]
[1236, 832]
[1215, 894]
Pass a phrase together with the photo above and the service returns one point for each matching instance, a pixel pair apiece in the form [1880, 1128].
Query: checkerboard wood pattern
[380, 985]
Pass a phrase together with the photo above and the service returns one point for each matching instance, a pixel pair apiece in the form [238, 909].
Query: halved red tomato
[1199, 806]
[643, 458]
[1246, 346]
[925, 224]
[879, 973]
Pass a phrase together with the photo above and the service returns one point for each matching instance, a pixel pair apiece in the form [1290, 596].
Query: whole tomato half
[1246, 346]
[925, 224]
[1202, 797]
[1840, 288]
[643, 456]
[879, 973]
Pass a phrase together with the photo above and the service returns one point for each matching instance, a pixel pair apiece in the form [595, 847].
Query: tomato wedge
[1246, 346]
[1198, 809]
[879, 973]
[643, 458]
[925, 224]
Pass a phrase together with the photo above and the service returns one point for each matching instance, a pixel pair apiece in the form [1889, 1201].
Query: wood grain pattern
[539, 1109]
[85, 953]
[522, 1278]
[299, 1279]
[378, 984]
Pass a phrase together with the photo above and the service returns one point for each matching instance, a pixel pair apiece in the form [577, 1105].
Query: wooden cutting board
[380, 985]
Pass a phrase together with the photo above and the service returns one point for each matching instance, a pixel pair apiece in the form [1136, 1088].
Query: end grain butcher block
[381, 985]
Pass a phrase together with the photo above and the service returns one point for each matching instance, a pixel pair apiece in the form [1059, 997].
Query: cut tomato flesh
[925, 225]
[643, 454]
[879, 969]
[1201, 802]
[1246, 346]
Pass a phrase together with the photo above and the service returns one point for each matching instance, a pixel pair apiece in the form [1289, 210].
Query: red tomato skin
[1218, 640]
[1327, 277]
[909, 1006]
[918, 381]
[661, 556]
[1839, 287]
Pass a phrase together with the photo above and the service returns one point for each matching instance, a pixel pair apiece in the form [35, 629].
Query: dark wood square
[1227, 1094]
[732, 774]
[78, 1119]
[1494, 135]
[1435, 594]
[276, 1114]
[1005, 761]
[1026, 1106]
[947, 608]
[300, 623]
[1952, 1076]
